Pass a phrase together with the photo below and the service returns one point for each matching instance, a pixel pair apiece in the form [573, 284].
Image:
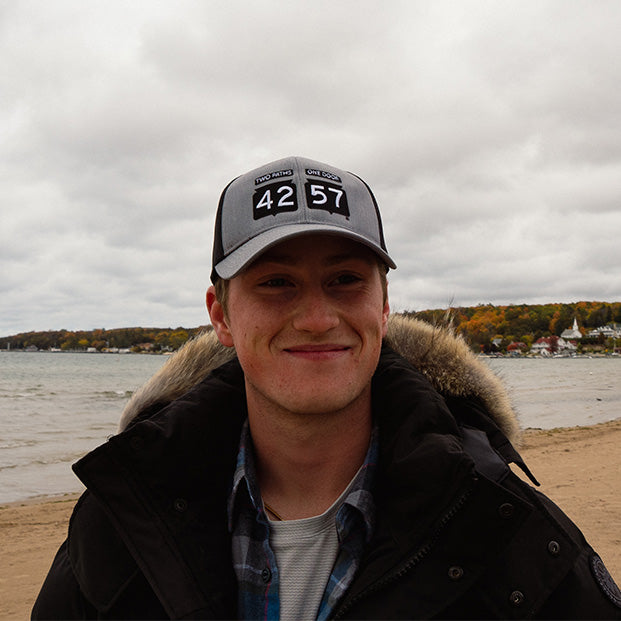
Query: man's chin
[316, 403]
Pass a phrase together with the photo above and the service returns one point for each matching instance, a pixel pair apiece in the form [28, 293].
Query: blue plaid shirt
[253, 559]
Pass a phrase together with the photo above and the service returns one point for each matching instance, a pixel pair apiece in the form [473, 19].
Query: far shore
[124, 351]
[578, 468]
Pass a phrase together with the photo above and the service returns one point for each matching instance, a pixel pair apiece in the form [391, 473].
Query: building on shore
[572, 333]
[610, 331]
[549, 345]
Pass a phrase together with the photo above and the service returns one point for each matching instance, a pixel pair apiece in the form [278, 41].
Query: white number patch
[274, 198]
[328, 197]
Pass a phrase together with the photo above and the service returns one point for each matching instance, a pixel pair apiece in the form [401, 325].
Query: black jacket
[458, 534]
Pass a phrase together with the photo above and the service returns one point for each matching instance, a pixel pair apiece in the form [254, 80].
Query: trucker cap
[287, 198]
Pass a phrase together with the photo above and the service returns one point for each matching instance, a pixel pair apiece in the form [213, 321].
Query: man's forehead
[329, 250]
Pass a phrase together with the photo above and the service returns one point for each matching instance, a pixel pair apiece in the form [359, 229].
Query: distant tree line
[480, 325]
[525, 323]
[135, 339]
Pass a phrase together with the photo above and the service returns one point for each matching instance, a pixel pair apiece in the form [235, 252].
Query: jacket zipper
[414, 560]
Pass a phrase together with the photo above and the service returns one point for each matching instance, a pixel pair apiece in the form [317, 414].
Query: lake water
[561, 392]
[55, 407]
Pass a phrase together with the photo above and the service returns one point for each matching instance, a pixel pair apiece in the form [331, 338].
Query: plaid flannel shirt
[254, 562]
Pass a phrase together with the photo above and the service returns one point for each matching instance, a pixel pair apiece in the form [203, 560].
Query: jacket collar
[440, 355]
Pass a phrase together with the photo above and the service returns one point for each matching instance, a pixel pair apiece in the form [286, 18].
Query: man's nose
[315, 313]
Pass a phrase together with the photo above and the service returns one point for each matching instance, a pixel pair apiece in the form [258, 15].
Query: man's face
[306, 319]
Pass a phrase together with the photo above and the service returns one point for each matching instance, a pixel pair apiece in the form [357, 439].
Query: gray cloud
[489, 132]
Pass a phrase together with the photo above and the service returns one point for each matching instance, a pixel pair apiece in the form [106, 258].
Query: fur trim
[184, 369]
[447, 362]
[443, 357]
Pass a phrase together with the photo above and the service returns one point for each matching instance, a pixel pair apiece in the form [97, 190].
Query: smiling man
[307, 320]
[310, 458]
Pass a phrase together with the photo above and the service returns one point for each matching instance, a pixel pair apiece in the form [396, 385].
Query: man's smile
[318, 351]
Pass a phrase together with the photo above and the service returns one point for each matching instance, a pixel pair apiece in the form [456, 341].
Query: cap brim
[240, 258]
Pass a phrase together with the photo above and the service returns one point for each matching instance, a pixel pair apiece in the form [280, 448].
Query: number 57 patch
[327, 196]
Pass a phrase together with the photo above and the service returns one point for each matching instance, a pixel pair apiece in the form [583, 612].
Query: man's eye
[275, 282]
[347, 279]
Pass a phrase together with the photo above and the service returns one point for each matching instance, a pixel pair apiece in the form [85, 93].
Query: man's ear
[385, 315]
[218, 318]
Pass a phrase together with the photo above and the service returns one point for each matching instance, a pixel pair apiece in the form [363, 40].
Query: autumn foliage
[521, 323]
[136, 339]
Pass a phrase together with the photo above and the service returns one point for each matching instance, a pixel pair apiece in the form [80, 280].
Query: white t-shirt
[305, 553]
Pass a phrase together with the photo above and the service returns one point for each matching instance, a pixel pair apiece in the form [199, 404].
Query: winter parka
[458, 534]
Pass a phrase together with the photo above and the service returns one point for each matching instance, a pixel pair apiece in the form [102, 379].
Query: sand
[579, 468]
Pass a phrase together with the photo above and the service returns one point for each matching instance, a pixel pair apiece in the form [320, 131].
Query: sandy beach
[579, 468]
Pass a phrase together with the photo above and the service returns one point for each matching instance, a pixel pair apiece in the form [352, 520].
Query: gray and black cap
[287, 198]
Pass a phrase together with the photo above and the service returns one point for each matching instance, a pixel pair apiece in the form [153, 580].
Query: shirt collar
[359, 496]
[245, 473]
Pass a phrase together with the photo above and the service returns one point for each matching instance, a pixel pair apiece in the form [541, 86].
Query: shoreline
[525, 435]
[40, 500]
[578, 468]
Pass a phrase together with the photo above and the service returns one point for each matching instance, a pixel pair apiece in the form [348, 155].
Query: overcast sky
[490, 133]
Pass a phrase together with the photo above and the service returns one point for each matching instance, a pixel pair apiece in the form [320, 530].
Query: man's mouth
[318, 351]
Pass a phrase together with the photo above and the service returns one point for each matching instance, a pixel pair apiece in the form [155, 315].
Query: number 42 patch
[273, 199]
[281, 197]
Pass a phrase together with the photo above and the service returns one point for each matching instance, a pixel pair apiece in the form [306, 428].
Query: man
[309, 458]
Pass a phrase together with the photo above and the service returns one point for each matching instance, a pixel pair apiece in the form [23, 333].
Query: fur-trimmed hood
[441, 356]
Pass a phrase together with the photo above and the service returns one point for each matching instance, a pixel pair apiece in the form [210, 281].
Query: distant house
[572, 333]
[542, 346]
[516, 347]
[547, 345]
[610, 331]
[570, 347]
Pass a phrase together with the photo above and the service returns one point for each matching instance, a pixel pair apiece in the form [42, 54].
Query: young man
[309, 458]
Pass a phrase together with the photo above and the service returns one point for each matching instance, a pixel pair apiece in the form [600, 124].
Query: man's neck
[305, 461]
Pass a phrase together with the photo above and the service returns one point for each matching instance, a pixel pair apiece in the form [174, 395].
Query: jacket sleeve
[588, 591]
[584, 589]
[60, 596]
